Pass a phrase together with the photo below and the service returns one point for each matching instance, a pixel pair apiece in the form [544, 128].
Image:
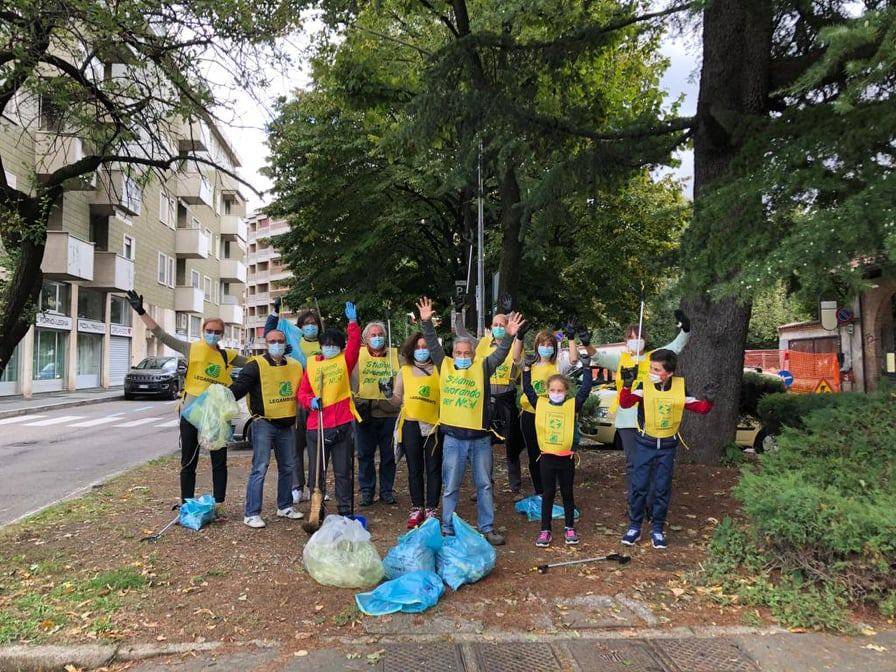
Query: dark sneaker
[544, 539]
[366, 499]
[494, 538]
[658, 539]
[388, 498]
[631, 537]
[570, 536]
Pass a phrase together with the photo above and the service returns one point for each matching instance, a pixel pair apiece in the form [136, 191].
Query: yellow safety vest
[502, 375]
[371, 370]
[555, 426]
[627, 361]
[421, 396]
[279, 385]
[310, 348]
[663, 409]
[207, 365]
[462, 395]
[336, 380]
[540, 375]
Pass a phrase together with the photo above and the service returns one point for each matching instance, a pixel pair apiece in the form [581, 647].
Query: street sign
[823, 387]
[786, 376]
[844, 316]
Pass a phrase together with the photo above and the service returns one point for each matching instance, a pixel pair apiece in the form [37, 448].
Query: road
[48, 456]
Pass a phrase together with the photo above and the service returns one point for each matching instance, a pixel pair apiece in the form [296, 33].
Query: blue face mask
[212, 339]
[421, 355]
[463, 362]
[330, 351]
[309, 331]
[276, 349]
[499, 332]
[377, 342]
[545, 351]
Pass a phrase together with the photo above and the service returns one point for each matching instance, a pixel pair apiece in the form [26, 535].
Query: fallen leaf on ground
[875, 647]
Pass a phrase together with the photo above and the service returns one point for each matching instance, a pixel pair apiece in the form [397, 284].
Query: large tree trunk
[21, 293]
[737, 38]
[511, 223]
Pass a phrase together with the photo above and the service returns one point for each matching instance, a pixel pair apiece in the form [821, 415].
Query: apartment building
[268, 277]
[180, 240]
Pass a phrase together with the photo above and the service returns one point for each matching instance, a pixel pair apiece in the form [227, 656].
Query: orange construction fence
[812, 371]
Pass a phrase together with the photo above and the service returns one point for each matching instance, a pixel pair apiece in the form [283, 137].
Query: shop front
[51, 337]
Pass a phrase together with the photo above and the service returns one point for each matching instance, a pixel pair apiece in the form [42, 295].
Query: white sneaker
[254, 521]
[290, 513]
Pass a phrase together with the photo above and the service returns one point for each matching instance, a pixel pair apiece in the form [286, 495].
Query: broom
[312, 525]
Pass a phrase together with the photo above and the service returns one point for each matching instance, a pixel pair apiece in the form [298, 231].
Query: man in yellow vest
[374, 375]
[271, 381]
[465, 416]
[661, 402]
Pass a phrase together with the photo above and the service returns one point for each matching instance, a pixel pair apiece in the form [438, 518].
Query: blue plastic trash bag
[415, 551]
[411, 593]
[211, 414]
[466, 557]
[341, 554]
[195, 513]
[293, 338]
[531, 506]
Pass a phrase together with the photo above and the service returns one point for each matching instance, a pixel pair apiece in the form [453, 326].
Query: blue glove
[315, 404]
[351, 312]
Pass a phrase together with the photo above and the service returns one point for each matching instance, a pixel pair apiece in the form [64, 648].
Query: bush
[818, 528]
[788, 410]
[754, 388]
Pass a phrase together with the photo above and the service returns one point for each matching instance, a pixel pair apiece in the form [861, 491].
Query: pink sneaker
[544, 539]
[431, 513]
[415, 518]
[570, 536]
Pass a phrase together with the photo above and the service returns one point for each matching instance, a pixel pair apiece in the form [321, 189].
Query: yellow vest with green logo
[207, 365]
[462, 395]
[663, 409]
[540, 375]
[371, 370]
[279, 385]
[336, 381]
[555, 426]
[627, 361]
[310, 348]
[502, 375]
[421, 396]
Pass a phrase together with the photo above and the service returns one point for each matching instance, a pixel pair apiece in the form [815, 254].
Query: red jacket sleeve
[353, 346]
[700, 406]
[627, 399]
[305, 393]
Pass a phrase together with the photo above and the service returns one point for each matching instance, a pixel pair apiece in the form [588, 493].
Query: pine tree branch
[632, 133]
[444, 19]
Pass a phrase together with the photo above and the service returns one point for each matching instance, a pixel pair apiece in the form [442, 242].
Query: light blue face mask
[212, 339]
[499, 332]
[463, 362]
[421, 355]
[545, 351]
[309, 331]
[330, 351]
[377, 342]
[276, 349]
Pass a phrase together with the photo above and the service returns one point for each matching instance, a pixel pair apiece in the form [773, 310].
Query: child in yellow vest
[661, 402]
[555, 428]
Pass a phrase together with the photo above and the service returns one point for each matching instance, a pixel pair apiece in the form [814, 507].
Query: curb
[57, 406]
[24, 658]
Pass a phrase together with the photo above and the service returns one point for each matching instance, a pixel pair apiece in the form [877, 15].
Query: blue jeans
[629, 437]
[265, 438]
[652, 469]
[376, 433]
[454, 463]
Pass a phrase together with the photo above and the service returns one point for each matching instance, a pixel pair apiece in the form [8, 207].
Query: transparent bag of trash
[341, 554]
[211, 413]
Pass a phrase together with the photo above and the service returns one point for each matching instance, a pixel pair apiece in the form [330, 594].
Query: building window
[54, 298]
[163, 207]
[120, 311]
[195, 326]
[49, 354]
[11, 372]
[195, 279]
[132, 198]
[171, 267]
[162, 269]
[207, 288]
[91, 305]
[217, 246]
[129, 248]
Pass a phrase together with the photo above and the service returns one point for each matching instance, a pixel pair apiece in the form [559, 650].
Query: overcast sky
[249, 136]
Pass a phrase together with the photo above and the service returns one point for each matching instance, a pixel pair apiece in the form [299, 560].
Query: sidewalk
[51, 401]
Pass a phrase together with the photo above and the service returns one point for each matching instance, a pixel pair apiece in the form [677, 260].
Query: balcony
[234, 227]
[112, 272]
[67, 258]
[231, 312]
[259, 299]
[194, 188]
[53, 151]
[233, 270]
[193, 137]
[189, 299]
[191, 244]
[116, 191]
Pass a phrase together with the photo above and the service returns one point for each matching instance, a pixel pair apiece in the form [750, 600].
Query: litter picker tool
[158, 535]
[612, 557]
[389, 351]
[319, 314]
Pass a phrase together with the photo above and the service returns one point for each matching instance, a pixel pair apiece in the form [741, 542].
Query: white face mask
[635, 345]
[655, 378]
[557, 397]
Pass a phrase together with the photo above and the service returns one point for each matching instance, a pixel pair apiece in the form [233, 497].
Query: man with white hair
[372, 381]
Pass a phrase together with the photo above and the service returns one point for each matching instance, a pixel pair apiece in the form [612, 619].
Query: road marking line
[170, 423]
[98, 421]
[53, 421]
[142, 408]
[20, 418]
[141, 421]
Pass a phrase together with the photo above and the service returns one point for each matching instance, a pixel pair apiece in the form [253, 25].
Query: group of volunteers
[319, 388]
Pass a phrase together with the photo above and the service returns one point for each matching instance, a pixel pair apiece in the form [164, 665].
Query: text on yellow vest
[555, 426]
[279, 385]
[207, 365]
[371, 370]
[663, 409]
[334, 375]
[502, 374]
[462, 393]
[540, 374]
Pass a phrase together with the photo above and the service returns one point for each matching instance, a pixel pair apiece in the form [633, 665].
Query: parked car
[156, 376]
[242, 425]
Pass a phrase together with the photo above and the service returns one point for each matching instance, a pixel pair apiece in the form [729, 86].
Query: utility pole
[480, 254]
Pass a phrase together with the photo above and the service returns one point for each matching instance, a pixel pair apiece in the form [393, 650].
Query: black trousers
[338, 449]
[505, 421]
[530, 440]
[424, 456]
[189, 458]
[554, 469]
[298, 472]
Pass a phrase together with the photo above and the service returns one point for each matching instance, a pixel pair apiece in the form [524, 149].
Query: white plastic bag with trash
[211, 413]
[341, 554]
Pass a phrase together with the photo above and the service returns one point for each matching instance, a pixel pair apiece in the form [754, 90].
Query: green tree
[773, 307]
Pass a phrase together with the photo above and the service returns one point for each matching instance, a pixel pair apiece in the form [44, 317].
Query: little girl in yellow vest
[555, 428]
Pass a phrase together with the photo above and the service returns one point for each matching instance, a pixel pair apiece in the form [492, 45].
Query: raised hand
[569, 329]
[629, 375]
[529, 360]
[515, 322]
[505, 303]
[351, 312]
[278, 302]
[424, 308]
[682, 321]
[583, 336]
[136, 301]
